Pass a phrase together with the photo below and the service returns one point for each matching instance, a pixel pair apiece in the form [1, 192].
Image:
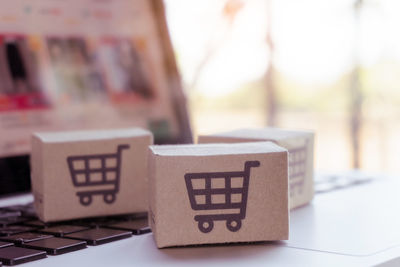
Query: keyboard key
[5, 244]
[62, 230]
[25, 210]
[4, 213]
[29, 213]
[100, 236]
[15, 255]
[37, 223]
[138, 226]
[95, 222]
[17, 207]
[4, 222]
[15, 229]
[101, 221]
[25, 237]
[56, 245]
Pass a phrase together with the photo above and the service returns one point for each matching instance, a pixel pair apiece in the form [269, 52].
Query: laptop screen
[81, 64]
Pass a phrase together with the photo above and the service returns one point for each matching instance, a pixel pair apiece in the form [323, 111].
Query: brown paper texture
[198, 193]
[300, 145]
[89, 173]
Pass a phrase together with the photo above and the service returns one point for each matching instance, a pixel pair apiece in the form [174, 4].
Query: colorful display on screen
[79, 64]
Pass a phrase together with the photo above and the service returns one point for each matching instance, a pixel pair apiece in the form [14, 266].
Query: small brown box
[79, 174]
[300, 145]
[218, 193]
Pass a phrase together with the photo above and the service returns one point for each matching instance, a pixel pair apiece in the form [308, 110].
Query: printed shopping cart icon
[97, 171]
[220, 191]
[297, 168]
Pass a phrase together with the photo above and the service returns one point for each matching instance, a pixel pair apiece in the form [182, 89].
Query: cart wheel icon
[206, 226]
[233, 225]
[109, 198]
[85, 200]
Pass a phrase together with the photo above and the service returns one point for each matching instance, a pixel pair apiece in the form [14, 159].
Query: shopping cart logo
[97, 170]
[205, 193]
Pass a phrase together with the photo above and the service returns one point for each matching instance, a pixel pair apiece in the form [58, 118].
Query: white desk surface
[356, 226]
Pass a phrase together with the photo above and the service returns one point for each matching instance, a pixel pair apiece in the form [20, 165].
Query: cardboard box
[300, 145]
[89, 173]
[218, 193]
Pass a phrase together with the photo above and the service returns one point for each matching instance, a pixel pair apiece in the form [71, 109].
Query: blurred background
[330, 66]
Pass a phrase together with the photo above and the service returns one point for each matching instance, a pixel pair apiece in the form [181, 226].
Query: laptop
[68, 65]
[84, 65]
[353, 224]
[77, 65]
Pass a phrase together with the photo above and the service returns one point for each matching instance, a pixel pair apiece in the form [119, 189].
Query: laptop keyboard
[24, 238]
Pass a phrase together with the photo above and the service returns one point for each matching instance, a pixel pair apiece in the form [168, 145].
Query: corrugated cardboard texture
[300, 145]
[59, 182]
[172, 217]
